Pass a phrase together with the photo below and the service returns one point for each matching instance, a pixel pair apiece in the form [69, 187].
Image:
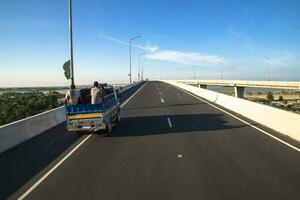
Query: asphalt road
[24, 163]
[171, 145]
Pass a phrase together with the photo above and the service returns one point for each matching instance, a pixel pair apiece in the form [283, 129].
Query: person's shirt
[96, 95]
[72, 96]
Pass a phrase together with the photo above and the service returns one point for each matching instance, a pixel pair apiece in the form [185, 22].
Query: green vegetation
[231, 93]
[270, 96]
[15, 106]
[280, 98]
[260, 100]
[32, 89]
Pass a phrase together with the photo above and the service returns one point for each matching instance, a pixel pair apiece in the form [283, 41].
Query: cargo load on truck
[92, 117]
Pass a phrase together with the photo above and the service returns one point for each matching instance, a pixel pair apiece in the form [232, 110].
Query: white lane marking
[179, 155]
[158, 89]
[52, 169]
[132, 95]
[170, 123]
[255, 127]
[162, 100]
[65, 158]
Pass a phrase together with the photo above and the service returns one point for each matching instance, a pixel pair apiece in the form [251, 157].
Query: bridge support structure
[239, 92]
[203, 86]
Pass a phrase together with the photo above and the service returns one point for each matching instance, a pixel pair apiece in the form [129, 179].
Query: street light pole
[142, 70]
[194, 67]
[141, 54]
[269, 73]
[222, 76]
[71, 44]
[130, 40]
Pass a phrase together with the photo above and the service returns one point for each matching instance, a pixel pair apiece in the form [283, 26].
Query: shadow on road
[24, 161]
[21, 163]
[165, 106]
[152, 125]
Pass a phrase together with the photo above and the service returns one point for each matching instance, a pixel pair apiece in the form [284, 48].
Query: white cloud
[148, 47]
[114, 39]
[230, 30]
[246, 41]
[189, 58]
[287, 58]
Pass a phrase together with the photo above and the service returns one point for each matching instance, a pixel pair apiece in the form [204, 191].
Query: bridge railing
[17, 132]
[285, 122]
[239, 86]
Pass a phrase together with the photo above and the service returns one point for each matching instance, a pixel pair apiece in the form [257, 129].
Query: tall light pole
[222, 76]
[71, 44]
[194, 67]
[130, 40]
[269, 73]
[142, 70]
[139, 75]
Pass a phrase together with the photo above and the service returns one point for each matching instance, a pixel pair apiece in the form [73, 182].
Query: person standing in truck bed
[72, 96]
[96, 94]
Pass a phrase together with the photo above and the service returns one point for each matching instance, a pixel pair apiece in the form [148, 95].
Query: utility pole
[142, 68]
[269, 70]
[194, 67]
[222, 76]
[130, 40]
[71, 44]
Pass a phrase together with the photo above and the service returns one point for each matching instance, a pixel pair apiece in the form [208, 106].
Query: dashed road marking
[170, 123]
[162, 100]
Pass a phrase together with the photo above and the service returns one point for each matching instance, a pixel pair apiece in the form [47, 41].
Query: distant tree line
[16, 89]
[15, 106]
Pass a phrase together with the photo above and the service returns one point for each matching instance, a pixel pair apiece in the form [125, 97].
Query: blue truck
[94, 117]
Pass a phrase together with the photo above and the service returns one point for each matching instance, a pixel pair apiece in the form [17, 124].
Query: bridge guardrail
[17, 132]
[239, 83]
[285, 122]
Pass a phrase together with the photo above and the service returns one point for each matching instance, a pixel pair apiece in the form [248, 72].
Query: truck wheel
[108, 128]
[118, 120]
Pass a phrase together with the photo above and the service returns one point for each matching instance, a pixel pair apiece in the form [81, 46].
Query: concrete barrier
[17, 132]
[285, 122]
[127, 87]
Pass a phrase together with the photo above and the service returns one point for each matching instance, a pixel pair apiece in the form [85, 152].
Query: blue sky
[175, 36]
